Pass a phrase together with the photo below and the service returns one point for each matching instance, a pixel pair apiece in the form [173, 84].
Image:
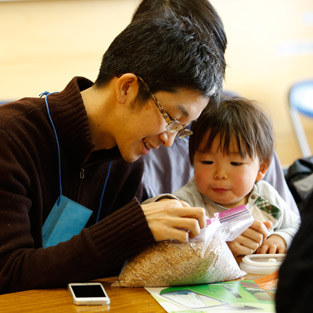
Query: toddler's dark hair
[234, 117]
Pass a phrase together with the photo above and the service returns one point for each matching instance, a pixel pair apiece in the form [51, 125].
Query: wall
[270, 46]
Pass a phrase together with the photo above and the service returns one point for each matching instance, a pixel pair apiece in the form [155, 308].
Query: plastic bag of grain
[204, 259]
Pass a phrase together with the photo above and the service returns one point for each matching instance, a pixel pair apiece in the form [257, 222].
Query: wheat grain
[171, 263]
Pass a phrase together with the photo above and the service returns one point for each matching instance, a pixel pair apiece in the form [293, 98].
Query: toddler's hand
[251, 239]
[274, 244]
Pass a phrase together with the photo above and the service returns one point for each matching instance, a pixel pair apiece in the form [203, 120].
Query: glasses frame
[173, 125]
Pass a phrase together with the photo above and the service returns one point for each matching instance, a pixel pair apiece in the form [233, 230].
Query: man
[79, 149]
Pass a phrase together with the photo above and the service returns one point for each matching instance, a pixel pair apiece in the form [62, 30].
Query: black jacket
[29, 187]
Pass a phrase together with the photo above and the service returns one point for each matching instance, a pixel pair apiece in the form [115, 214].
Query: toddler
[231, 149]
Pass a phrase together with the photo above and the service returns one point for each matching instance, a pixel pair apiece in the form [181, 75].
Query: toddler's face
[226, 179]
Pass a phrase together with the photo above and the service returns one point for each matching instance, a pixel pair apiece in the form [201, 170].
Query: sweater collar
[70, 118]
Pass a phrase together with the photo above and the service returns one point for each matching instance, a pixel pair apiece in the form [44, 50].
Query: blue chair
[301, 101]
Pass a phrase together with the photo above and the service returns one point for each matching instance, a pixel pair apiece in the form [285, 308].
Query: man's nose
[167, 138]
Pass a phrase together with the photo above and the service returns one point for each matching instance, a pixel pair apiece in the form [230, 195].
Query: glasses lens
[184, 133]
[177, 127]
[174, 126]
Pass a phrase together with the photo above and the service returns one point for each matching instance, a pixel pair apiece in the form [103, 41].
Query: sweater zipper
[83, 170]
[82, 173]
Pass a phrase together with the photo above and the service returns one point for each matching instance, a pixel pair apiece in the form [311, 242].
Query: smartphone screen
[88, 293]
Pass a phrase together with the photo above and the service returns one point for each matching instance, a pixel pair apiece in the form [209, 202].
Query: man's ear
[262, 170]
[126, 88]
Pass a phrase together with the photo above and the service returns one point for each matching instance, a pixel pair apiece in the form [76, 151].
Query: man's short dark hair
[168, 53]
[200, 10]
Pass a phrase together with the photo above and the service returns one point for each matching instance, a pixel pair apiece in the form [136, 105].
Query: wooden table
[123, 300]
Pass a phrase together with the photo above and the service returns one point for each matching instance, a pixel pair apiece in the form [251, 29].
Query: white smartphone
[88, 294]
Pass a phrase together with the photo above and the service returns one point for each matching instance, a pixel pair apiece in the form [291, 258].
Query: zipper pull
[82, 173]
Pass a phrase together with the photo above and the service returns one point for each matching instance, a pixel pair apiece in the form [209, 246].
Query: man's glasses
[173, 126]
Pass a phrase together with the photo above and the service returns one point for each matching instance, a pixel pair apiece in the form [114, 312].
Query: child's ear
[262, 170]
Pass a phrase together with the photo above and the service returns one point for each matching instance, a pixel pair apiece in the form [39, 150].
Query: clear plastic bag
[236, 220]
[203, 259]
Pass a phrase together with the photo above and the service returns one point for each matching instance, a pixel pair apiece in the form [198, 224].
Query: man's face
[144, 128]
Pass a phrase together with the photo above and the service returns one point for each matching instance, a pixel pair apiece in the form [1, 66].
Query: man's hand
[174, 219]
[274, 244]
[251, 239]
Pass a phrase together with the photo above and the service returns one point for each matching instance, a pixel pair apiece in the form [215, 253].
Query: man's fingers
[184, 203]
[172, 233]
[190, 225]
[195, 216]
[173, 219]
